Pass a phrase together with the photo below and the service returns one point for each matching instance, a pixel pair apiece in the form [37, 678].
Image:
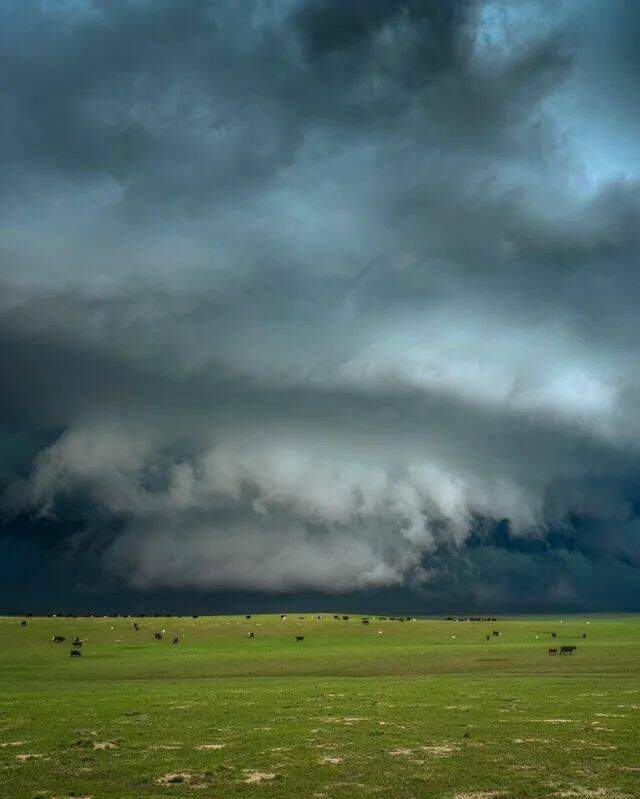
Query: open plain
[419, 708]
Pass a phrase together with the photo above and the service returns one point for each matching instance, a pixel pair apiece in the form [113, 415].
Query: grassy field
[423, 708]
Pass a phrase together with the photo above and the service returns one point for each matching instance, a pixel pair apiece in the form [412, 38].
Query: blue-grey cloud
[299, 298]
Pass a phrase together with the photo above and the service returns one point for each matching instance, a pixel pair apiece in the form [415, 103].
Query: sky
[317, 304]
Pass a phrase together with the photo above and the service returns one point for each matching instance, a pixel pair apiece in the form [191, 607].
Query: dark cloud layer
[319, 302]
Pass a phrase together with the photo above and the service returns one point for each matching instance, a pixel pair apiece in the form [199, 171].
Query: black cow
[567, 650]
[554, 635]
[252, 635]
[365, 621]
[75, 653]
[488, 637]
[175, 641]
[58, 639]
[248, 616]
[23, 623]
[299, 637]
[345, 618]
[584, 635]
[77, 641]
[283, 616]
[337, 617]
[553, 651]
[135, 626]
[158, 636]
[494, 632]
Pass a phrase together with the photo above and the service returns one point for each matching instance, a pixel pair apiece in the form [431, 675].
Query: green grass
[410, 712]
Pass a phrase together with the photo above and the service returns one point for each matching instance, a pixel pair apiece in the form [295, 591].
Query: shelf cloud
[317, 298]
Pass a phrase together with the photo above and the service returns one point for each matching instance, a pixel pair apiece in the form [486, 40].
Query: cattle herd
[158, 636]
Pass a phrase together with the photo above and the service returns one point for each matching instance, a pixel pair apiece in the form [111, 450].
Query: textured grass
[411, 711]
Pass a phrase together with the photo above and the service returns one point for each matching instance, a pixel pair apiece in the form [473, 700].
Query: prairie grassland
[423, 708]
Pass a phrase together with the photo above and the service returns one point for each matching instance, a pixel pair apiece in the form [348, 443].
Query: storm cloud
[310, 298]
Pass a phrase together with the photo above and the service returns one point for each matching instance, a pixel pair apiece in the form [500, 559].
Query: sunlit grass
[412, 709]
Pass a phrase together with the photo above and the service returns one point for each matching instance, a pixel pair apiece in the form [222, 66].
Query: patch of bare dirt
[12, 743]
[101, 745]
[348, 720]
[400, 751]
[330, 760]
[597, 726]
[480, 795]
[175, 778]
[441, 750]
[257, 776]
[210, 746]
[28, 757]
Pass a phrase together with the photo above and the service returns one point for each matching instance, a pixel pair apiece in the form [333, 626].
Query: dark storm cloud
[302, 298]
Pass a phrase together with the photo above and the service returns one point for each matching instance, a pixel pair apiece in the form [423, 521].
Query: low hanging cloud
[302, 298]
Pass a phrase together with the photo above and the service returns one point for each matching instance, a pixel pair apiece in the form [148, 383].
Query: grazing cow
[77, 641]
[75, 653]
[567, 650]
[553, 651]
[494, 632]
[23, 623]
[248, 616]
[365, 621]
[345, 618]
[175, 641]
[299, 637]
[337, 617]
[194, 617]
[135, 626]
[58, 639]
[584, 635]
[554, 635]
[488, 637]
[283, 616]
[158, 636]
[252, 635]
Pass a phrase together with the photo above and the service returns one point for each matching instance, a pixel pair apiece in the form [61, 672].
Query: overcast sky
[320, 302]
